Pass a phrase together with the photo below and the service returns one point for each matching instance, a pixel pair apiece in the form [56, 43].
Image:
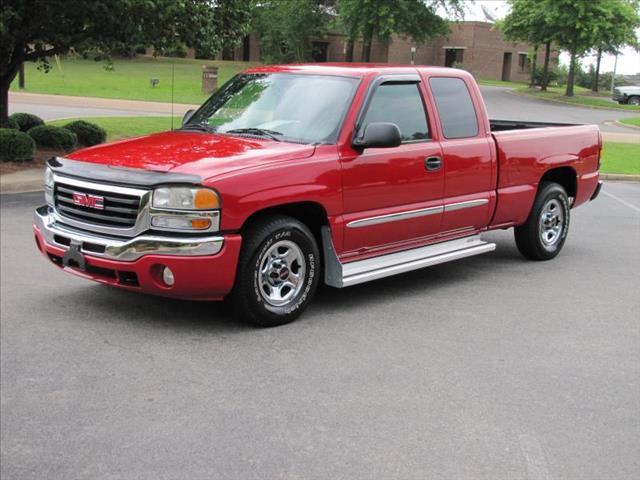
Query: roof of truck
[352, 69]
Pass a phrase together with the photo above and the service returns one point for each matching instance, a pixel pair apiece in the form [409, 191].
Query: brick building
[476, 46]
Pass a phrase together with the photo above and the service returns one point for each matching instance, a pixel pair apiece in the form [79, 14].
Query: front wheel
[545, 231]
[278, 272]
[634, 101]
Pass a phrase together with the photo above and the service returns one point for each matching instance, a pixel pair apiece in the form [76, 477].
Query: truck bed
[527, 149]
[502, 125]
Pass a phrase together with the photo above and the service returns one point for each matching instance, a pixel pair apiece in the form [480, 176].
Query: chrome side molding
[421, 212]
[341, 275]
[468, 204]
[393, 217]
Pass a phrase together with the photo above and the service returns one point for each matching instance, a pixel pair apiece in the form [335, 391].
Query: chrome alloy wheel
[551, 222]
[282, 273]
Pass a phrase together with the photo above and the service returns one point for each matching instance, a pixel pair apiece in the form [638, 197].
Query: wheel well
[312, 214]
[564, 176]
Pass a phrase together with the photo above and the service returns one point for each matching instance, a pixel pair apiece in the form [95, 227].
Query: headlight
[48, 186]
[185, 198]
[185, 209]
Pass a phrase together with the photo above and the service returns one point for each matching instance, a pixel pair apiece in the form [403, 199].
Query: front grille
[120, 210]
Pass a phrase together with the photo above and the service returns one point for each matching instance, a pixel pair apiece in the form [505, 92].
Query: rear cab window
[455, 107]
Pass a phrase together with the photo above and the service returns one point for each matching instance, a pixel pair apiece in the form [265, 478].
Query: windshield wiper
[272, 134]
[202, 127]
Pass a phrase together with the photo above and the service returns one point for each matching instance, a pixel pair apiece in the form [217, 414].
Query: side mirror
[187, 116]
[379, 135]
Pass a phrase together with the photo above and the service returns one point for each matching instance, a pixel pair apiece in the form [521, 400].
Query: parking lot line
[624, 202]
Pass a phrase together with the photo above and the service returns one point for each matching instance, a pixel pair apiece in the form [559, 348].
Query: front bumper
[203, 267]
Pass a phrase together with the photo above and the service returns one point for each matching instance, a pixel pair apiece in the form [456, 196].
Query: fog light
[167, 276]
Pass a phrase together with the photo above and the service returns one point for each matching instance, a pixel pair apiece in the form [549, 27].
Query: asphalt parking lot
[491, 367]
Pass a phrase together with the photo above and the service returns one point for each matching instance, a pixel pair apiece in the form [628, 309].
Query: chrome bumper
[125, 250]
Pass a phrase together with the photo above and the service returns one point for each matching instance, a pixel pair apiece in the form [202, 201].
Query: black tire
[635, 100]
[253, 292]
[537, 238]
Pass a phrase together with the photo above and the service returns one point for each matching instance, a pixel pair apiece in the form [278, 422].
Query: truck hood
[197, 153]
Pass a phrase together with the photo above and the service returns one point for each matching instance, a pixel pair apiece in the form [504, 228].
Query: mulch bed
[38, 162]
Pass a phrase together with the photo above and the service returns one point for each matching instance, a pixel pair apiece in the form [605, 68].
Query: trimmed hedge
[16, 146]
[48, 136]
[88, 133]
[26, 121]
[9, 123]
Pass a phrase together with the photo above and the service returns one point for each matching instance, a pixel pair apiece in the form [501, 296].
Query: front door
[393, 196]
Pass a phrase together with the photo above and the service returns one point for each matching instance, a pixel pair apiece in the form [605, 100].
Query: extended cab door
[468, 155]
[392, 196]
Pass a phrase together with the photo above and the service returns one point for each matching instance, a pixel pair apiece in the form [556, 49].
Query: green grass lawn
[129, 79]
[124, 127]
[583, 96]
[635, 121]
[621, 158]
[500, 83]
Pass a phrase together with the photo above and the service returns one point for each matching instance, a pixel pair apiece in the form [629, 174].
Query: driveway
[491, 367]
[51, 107]
[508, 106]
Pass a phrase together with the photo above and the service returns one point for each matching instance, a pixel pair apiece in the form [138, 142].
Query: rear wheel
[634, 100]
[545, 231]
[278, 272]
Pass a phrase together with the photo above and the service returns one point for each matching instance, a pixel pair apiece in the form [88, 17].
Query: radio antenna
[173, 76]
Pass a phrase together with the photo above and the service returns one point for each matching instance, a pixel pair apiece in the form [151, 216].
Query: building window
[524, 64]
[453, 56]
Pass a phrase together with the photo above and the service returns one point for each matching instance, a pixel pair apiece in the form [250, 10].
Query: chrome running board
[340, 275]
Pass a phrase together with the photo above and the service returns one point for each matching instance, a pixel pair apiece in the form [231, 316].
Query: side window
[399, 103]
[455, 108]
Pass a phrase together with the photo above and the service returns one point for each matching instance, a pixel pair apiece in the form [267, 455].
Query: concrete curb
[618, 177]
[22, 182]
[553, 100]
[618, 123]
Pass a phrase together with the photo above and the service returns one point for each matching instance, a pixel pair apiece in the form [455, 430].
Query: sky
[628, 60]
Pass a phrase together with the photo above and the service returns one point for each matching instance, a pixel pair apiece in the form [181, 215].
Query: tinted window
[400, 104]
[457, 115]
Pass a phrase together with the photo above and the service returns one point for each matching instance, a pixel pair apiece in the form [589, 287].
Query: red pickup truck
[297, 174]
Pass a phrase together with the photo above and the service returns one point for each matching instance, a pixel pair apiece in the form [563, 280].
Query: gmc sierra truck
[289, 176]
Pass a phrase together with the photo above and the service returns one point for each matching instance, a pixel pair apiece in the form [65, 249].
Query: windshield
[279, 106]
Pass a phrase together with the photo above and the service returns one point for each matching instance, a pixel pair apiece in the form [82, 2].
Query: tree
[578, 27]
[526, 22]
[616, 30]
[382, 18]
[286, 28]
[35, 30]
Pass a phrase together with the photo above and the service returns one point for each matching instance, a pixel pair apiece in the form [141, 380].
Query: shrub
[88, 133]
[552, 76]
[9, 123]
[26, 121]
[15, 146]
[48, 136]
[179, 51]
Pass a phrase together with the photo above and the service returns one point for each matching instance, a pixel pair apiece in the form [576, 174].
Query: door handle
[433, 163]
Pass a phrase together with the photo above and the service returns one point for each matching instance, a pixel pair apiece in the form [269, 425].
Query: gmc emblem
[88, 200]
